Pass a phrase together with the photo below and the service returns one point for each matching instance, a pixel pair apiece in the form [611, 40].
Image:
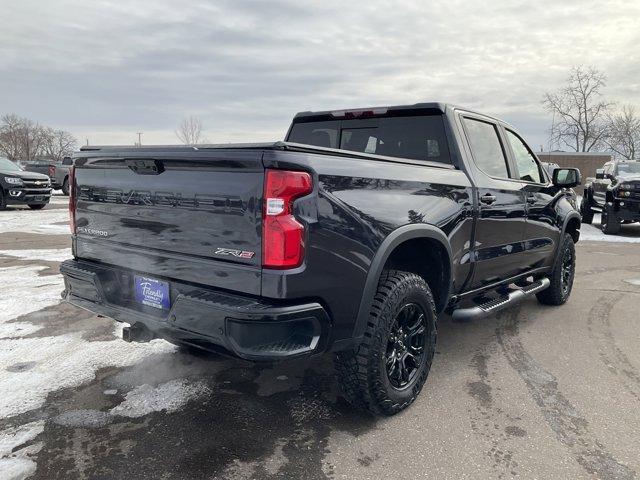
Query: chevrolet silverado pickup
[352, 236]
[615, 191]
[18, 187]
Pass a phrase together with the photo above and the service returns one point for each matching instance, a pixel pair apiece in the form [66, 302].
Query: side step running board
[493, 306]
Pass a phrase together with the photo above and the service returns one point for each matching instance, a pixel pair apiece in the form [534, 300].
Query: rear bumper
[243, 326]
[26, 196]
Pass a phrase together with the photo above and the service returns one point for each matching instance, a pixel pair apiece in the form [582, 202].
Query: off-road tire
[609, 223]
[585, 210]
[559, 290]
[37, 206]
[362, 373]
[65, 186]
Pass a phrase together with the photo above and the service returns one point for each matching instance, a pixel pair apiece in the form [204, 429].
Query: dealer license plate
[152, 292]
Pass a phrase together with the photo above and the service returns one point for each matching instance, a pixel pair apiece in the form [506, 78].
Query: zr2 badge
[234, 253]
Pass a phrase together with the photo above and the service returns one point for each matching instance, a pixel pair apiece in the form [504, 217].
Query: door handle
[488, 199]
[531, 199]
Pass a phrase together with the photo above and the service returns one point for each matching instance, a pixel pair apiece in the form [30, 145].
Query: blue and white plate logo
[152, 292]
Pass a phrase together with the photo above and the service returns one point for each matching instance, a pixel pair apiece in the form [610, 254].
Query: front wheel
[610, 224]
[562, 275]
[386, 372]
[3, 205]
[37, 206]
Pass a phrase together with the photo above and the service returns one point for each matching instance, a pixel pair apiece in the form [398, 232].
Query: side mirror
[600, 174]
[566, 177]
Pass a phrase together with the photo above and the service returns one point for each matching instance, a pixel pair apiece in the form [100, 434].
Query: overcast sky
[108, 69]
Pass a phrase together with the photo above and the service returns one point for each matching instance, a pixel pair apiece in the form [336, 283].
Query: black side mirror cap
[566, 177]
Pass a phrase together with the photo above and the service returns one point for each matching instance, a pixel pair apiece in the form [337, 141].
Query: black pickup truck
[616, 193]
[350, 237]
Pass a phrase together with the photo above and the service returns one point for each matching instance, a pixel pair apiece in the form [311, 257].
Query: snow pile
[168, 397]
[17, 464]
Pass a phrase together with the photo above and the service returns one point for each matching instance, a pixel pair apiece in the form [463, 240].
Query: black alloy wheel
[405, 345]
[568, 270]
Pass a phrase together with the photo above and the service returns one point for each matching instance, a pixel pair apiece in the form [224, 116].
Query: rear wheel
[386, 372]
[37, 206]
[610, 224]
[562, 275]
[585, 210]
[65, 186]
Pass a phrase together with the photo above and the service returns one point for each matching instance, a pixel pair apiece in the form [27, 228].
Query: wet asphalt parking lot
[536, 392]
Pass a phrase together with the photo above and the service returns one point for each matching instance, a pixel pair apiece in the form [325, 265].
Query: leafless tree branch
[579, 111]
[189, 131]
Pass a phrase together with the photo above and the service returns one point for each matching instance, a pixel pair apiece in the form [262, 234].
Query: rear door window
[486, 147]
[414, 137]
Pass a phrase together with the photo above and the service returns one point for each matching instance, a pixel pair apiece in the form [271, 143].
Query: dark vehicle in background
[350, 237]
[57, 172]
[18, 187]
[615, 192]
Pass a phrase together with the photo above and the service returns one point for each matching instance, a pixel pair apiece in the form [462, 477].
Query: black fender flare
[565, 223]
[395, 238]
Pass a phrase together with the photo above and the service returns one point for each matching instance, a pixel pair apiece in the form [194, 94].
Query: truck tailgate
[192, 216]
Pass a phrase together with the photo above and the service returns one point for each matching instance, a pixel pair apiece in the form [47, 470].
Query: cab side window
[486, 147]
[528, 168]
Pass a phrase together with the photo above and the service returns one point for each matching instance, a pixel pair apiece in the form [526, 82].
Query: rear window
[418, 138]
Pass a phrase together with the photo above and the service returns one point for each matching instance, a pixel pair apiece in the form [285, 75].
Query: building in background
[587, 162]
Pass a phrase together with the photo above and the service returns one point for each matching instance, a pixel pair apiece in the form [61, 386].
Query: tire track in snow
[570, 427]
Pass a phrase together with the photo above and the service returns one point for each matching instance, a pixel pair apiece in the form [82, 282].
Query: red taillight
[282, 234]
[52, 171]
[72, 199]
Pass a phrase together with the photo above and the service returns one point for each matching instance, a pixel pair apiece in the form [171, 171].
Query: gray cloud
[107, 69]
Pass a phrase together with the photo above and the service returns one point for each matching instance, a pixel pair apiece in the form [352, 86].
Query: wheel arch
[571, 225]
[395, 250]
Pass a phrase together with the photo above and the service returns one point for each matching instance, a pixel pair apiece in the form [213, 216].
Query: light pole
[140, 138]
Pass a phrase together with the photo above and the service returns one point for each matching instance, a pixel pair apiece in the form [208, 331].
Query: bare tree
[58, 144]
[20, 138]
[579, 111]
[189, 131]
[623, 138]
[10, 136]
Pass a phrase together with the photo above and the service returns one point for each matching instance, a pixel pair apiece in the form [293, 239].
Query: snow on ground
[47, 255]
[169, 396]
[592, 233]
[59, 200]
[34, 221]
[16, 461]
[24, 291]
[61, 362]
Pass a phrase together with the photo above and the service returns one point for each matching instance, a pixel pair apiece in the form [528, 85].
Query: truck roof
[391, 110]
